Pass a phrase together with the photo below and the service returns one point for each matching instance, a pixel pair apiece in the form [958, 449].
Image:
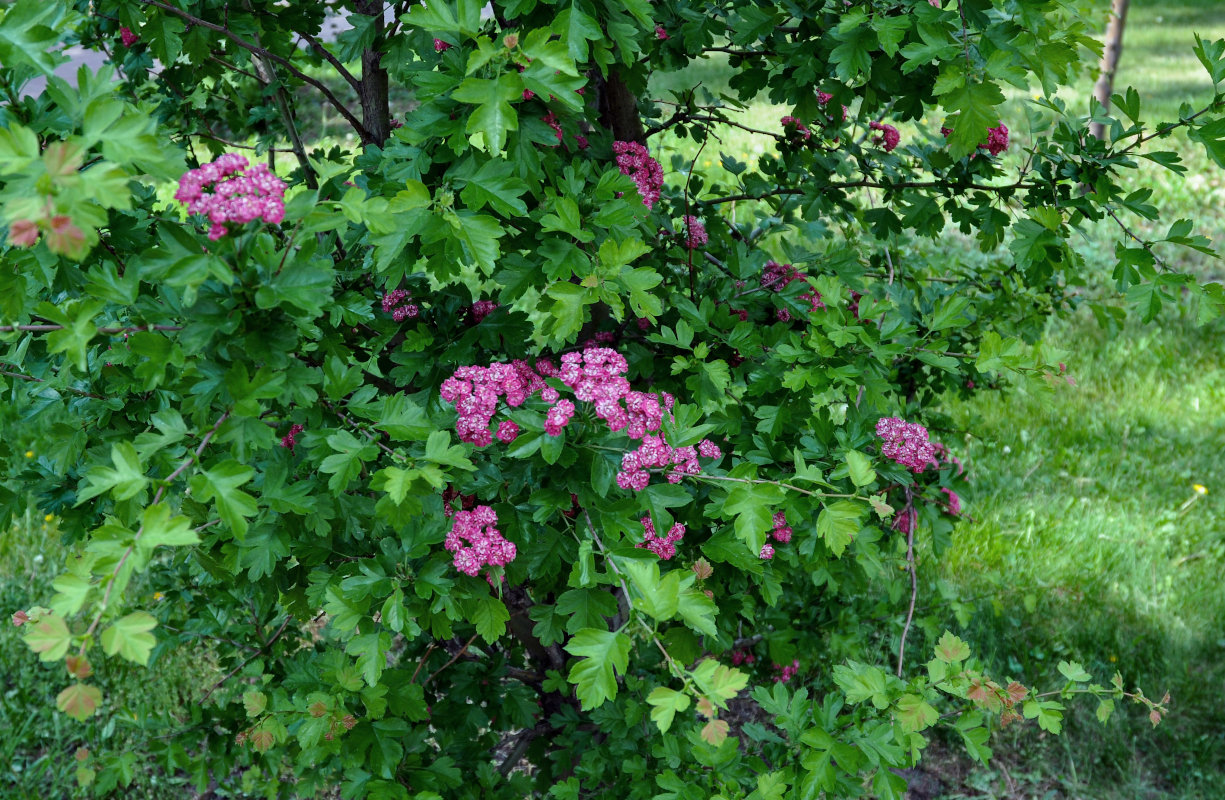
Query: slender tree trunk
[372, 89]
[1110, 59]
[619, 110]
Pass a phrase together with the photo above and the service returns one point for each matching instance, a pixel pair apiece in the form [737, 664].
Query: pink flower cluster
[906, 443]
[997, 140]
[634, 160]
[695, 233]
[823, 98]
[290, 440]
[793, 126]
[782, 531]
[660, 33]
[953, 504]
[777, 277]
[127, 37]
[767, 552]
[550, 119]
[396, 303]
[907, 520]
[475, 392]
[788, 672]
[665, 548]
[481, 309]
[440, 46]
[239, 195]
[476, 543]
[889, 135]
[595, 375]
[741, 657]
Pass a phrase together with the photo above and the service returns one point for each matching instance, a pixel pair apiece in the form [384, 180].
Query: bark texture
[1110, 60]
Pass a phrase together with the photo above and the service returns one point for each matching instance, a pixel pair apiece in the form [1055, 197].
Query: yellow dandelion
[158, 595]
[29, 454]
[1113, 659]
[48, 518]
[1200, 488]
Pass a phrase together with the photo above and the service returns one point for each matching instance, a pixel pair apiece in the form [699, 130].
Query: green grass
[38, 745]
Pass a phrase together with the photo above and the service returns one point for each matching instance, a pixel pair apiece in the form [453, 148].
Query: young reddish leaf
[78, 666]
[79, 701]
[254, 702]
[49, 637]
[262, 740]
[715, 732]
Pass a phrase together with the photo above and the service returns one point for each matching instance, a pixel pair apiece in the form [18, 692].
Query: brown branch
[248, 660]
[454, 658]
[425, 657]
[331, 59]
[867, 184]
[257, 50]
[23, 377]
[106, 330]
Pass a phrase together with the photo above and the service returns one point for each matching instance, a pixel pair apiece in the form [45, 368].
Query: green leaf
[129, 637]
[77, 319]
[495, 183]
[346, 463]
[665, 704]
[951, 649]
[862, 682]
[371, 650]
[838, 523]
[220, 484]
[494, 115]
[160, 529]
[601, 655]
[438, 448]
[658, 597]
[49, 637]
[1104, 710]
[975, 108]
[490, 616]
[79, 701]
[860, 467]
[124, 481]
[752, 504]
[698, 611]
[1074, 672]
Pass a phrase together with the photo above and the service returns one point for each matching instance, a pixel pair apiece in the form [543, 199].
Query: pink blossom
[792, 126]
[906, 443]
[290, 440]
[507, 432]
[708, 449]
[238, 194]
[127, 37]
[889, 136]
[823, 98]
[634, 160]
[664, 547]
[906, 521]
[481, 309]
[660, 33]
[767, 552]
[396, 303]
[777, 277]
[695, 233]
[475, 541]
[997, 139]
[782, 531]
[550, 119]
[786, 673]
[954, 502]
[581, 141]
[440, 46]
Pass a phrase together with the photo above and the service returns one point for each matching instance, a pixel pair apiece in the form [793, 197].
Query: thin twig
[425, 656]
[110, 330]
[248, 660]
[914, 580]
[243, 43]
[23, 377]
[454, 658]
[792, 487]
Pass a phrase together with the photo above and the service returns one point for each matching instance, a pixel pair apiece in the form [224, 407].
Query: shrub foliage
[502, 447]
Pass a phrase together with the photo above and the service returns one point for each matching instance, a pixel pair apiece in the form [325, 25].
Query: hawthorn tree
[500, 448]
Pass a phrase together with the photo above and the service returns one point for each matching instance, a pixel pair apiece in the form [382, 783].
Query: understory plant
[498, 448]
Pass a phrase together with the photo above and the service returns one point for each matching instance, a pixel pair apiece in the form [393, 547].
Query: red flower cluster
[634, 160]
[481, 309]
[290, 439]
[476, 542]
[127, 37]
[695, 233]
[239, 195]
[440, 46]
[793, 127]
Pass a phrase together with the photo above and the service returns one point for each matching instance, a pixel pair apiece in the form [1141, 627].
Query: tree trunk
[1110, 60]
[372, 90]
[619, 110]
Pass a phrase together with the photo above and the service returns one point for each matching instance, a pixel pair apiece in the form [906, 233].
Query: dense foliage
[493, 456]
